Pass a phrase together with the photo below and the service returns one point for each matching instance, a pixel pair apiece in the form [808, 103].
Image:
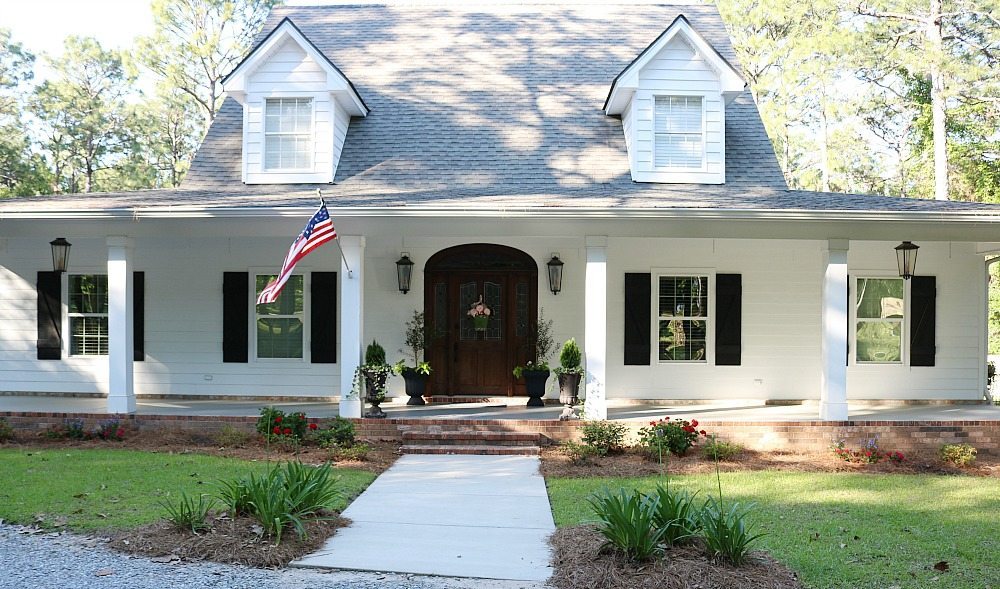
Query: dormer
[672, 102]
[297, 106]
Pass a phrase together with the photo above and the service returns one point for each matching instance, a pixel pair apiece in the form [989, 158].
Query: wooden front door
[471, 360]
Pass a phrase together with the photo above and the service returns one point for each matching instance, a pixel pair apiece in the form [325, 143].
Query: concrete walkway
[456, 516]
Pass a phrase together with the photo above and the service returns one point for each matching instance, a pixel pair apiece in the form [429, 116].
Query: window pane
[291, 301]
[683, 296]
[880, 298]
[279, 338]
[88, 293]
[88, 336]
[682, 340]
[288, 140]
[678, 151]
[879, 341]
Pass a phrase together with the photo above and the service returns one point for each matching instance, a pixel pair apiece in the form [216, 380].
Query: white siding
[290, 72]
[678, 70]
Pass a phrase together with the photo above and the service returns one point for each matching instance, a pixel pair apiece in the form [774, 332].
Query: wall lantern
[60, 254]
[906, 258]
[555, 274]
[404, 271]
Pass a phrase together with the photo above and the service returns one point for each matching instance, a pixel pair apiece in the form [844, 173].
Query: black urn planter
[534, 383]
[416, 385]
[375, 393]
[569, 389]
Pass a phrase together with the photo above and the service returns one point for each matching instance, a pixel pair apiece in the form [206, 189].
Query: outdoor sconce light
[555, 274]
[404, 271]
[906, 258]
[60, 254]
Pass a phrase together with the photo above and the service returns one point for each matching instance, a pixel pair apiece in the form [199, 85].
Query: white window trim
[264, 135]
[66, 316]
[657, 273]
[704, 134]
[904, 344]
[252, 316]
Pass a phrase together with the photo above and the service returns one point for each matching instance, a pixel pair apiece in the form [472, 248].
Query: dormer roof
[627, 81]
[235, 83]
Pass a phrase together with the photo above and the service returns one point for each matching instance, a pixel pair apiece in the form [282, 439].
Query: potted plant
[480, 314]
[536, 372]
[376, 373]
[418, 337]
[570, 373]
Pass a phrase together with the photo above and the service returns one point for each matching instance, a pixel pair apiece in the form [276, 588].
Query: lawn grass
[95, 489]
[852, 531]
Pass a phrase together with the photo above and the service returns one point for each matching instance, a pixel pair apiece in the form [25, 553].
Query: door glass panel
[466, 298]
[440, 308]
[522, 309]
[494, 331]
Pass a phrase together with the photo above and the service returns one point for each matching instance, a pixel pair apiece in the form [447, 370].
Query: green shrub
[189, 514]
[6, 431]
[715, 449]
[726, 533]
[355, 453]
[231, 437]
[235, 495]
[284, 496]
[374, 354]
[569, 358]
[604, 436]
[675, 514]
[676, 436]
[958, 454]
[577, 453]
[627, 520]
[339, 432]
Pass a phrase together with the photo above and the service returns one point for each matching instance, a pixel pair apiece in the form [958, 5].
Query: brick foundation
[906, 436]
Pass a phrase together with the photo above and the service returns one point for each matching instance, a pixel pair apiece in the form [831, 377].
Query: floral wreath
[479, 309]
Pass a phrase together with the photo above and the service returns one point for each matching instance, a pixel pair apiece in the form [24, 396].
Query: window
[88, 314]
[879, 310]
[288, 134]
[679, 133]
[280, 324]
[683, 318]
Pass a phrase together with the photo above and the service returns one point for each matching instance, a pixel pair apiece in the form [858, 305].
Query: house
[483, 143]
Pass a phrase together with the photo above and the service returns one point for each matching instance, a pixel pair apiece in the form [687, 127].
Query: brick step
[483, 450]
[492, 438]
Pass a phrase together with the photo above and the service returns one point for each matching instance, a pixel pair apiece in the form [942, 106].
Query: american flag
[318, 231]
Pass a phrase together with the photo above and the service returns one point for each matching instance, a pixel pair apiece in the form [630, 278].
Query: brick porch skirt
[906, 436]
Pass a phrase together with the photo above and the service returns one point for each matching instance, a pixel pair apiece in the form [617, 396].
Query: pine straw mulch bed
[229, 541]
[635, 463]
[381, 456]
[580, 563]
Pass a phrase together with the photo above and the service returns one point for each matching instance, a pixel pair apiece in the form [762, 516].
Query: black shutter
[235, 316]
[138, 316]
[323, 322]
[49, 289]
[728, 319]
[923, 315]
[637, 319]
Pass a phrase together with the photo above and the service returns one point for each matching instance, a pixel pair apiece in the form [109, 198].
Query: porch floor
[515, 409]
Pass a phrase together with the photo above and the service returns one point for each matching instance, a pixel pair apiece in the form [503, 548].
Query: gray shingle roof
[496, 106]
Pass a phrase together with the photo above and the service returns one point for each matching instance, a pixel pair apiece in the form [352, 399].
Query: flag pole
[350, 273]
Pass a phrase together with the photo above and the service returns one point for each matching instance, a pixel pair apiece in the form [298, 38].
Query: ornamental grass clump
[725, 530]
[189, 514]
[627, 520]
[284, 497]
[676, 514]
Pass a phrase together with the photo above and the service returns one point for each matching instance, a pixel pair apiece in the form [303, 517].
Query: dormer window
[288, 134]
[678, 123]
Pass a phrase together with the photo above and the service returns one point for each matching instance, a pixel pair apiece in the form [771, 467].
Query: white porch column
[595, 405]
[121, 394]
[352, 299]
[833, 394]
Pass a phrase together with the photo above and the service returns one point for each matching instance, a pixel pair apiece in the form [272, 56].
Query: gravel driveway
[32, 559]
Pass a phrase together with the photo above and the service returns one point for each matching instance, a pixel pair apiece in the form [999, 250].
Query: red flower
[312, 426]
[652, 423]
[277, 419]
[702, 432]
[694, 423]
[287, 431]
[120, 432]
[277, 430]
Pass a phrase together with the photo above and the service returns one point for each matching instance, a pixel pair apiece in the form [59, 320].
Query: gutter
[526, 212]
